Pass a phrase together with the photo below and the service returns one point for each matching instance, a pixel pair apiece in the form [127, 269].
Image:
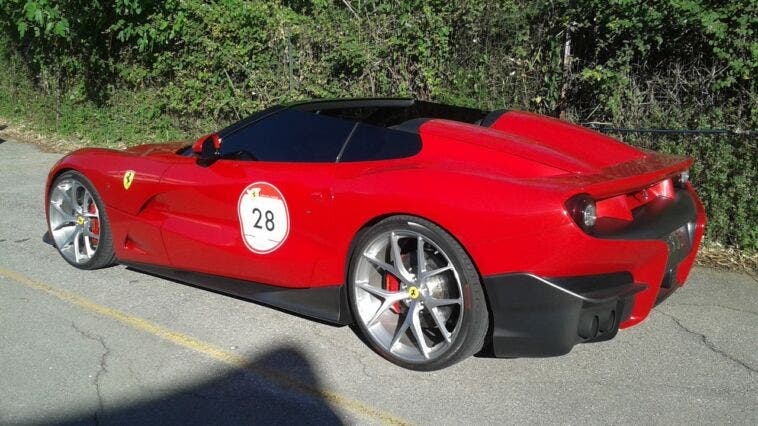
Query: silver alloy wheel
[408, 295]
[74, 221]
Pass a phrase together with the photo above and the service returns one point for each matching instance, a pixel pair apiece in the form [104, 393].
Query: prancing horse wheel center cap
[413, 292]
[80, 220]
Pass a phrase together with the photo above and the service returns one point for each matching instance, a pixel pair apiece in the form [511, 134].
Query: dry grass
[715, 255]
[46, 143]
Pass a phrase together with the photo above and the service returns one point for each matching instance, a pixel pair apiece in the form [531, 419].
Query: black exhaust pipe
[589, 327]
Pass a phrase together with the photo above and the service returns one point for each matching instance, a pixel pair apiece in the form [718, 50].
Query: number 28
[268, 216]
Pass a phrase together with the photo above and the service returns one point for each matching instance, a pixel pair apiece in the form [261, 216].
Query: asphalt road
[119, 346]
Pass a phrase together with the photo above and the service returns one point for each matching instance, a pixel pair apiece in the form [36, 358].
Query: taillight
[582, 209]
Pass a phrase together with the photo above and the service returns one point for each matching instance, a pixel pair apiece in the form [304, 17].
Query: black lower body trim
[538, 317]
[668, 286]
[324, 303]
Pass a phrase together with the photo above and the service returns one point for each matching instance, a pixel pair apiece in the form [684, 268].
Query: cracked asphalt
[120, 346]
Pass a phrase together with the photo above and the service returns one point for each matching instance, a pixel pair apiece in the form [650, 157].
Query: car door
[261, 213]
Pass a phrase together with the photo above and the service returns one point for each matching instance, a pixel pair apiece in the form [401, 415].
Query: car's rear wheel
[416, 295]
[78, 223]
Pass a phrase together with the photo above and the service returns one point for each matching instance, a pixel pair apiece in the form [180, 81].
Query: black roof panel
[390, 112]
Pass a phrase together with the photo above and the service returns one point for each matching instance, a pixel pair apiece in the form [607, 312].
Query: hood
[157, 148]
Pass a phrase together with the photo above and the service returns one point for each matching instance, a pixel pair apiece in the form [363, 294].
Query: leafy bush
[129, 70]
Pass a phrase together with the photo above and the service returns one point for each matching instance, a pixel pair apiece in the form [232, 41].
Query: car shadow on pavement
[279, 387]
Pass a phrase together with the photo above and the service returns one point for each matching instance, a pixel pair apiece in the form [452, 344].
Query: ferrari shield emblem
[128, 178]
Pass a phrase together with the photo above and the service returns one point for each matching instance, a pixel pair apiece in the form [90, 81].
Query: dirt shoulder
[46, 143]
[717, 256]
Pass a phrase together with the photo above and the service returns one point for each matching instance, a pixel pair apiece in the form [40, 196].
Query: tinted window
[375, 143]
[288, 135]
[234, 127]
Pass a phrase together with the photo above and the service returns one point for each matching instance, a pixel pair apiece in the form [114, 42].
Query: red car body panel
[501, 191]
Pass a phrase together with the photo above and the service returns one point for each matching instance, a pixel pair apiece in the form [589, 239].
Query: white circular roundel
[264, 218]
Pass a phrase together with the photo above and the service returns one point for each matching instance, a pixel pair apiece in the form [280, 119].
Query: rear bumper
[538, 317]
[614, 281]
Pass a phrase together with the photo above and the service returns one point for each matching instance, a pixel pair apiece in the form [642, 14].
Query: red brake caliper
[94, 224]
[392, 284]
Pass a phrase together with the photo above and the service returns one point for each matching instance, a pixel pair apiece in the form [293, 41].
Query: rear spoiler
[622, 178]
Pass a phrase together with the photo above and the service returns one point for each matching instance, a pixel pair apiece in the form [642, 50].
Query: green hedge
[129, 70]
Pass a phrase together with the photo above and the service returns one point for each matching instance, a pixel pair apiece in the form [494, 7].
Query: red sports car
[439, 231]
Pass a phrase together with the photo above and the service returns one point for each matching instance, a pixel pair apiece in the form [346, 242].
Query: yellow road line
[207, 349]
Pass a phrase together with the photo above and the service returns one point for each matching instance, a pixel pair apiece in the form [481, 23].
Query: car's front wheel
[78, 223]
[416, 295]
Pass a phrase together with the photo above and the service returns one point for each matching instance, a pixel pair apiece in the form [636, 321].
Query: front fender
[106, 169]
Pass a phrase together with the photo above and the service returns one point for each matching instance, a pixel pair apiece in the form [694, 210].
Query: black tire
[469, 337]
[104, 255]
